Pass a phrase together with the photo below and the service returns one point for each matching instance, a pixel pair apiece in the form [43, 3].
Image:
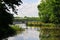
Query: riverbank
[17, 29]
[48, 31]
[41, 24]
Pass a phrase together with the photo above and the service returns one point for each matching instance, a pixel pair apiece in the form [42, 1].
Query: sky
[28, 8]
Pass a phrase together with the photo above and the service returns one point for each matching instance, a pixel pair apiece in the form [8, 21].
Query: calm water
[30, 33]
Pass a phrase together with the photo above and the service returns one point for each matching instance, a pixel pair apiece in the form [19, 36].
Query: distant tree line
[27, 19]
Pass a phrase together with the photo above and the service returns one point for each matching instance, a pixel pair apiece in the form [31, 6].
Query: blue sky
[30, 1]
[28, 8]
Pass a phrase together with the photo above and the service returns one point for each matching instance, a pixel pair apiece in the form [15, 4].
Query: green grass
[50, 29]
[17, 28]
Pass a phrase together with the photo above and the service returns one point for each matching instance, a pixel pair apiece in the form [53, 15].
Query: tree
[49, 11]
[6, 17]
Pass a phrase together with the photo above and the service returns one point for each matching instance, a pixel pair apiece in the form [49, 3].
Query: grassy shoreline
[17, 29]
[48, 31]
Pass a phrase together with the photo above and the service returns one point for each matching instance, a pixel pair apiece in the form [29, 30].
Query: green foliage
[17, 28]
[50, 34]
[7, 4]
[27, 19]
[6, 17]
[49, 11]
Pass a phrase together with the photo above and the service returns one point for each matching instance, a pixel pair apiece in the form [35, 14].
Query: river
[30, 33]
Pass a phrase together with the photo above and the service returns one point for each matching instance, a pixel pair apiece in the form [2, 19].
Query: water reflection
[30, 33]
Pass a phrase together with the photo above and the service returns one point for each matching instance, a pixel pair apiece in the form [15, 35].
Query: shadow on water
[6, 31]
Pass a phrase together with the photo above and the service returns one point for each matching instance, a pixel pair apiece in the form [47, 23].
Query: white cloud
[28, 9]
